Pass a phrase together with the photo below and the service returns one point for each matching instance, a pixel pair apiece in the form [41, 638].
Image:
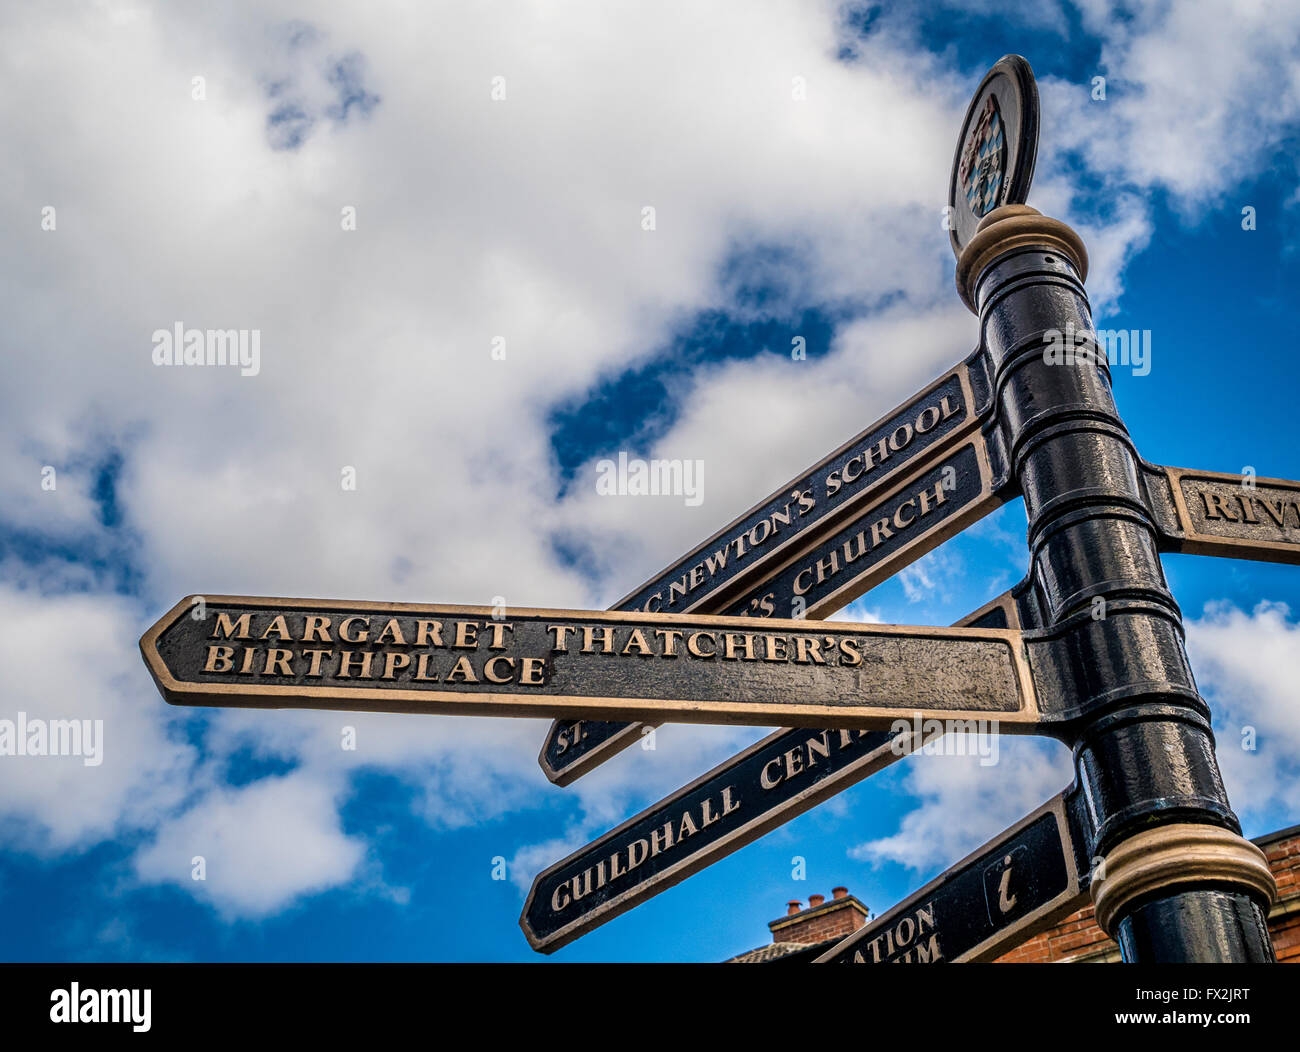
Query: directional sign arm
[1018, 884]
[1217, 513]
[390, 657]
[766, 785]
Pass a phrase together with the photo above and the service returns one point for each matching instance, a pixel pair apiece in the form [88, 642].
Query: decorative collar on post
[1006, 229]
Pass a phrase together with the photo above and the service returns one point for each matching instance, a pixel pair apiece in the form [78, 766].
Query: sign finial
[994, 162]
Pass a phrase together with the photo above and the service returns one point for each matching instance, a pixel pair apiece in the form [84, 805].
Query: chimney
[822, 921]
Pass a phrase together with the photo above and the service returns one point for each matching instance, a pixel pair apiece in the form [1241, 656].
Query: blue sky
[520, 217]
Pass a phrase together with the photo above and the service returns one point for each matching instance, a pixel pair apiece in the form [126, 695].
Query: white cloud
[1246, 666]
[74, 657]
[964, 803]
[263, 845]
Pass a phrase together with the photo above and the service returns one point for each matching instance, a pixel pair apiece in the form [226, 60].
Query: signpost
[1089, 648]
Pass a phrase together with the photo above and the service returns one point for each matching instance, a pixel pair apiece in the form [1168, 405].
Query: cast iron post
[1173, 878]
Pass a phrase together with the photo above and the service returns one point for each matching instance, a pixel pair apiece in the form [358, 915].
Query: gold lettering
[828, 567]
[932, 497]
[347, 657]
[870, 458]
[235, 630]
[317, 630]
[661, 840]
[224, 655]
[463, 669]
[279, 627]
[466, 635]
[317, 656]
[277, 662]
[767, 779]
[929, 953]
[493, 677]
[692, 644]
[730, 641]
[1216, 506]
[776, 648]
[849, 652]
[585, 891]
[1276, 512]
[532, 672]
[674, 589]
[850, 555]
[899, 521]
[392, 633]
[638, 638]
[808, 649]
[589, 638]
[820, 745]
[345, 628]
[394, 661]
[428, 633]
[560, 641]
[669, 637]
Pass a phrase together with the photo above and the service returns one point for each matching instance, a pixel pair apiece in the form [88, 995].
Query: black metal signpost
[1088, 649]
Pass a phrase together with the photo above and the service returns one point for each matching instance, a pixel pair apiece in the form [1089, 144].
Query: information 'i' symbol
[1005, 901]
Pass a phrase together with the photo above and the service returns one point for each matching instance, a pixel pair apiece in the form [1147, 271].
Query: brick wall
[1283, 854]
[1077, 938]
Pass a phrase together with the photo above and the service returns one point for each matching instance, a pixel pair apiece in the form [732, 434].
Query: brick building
[803, 934]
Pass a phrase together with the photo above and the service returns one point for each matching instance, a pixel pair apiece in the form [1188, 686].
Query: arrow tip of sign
[534, 942]
[153, 660]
